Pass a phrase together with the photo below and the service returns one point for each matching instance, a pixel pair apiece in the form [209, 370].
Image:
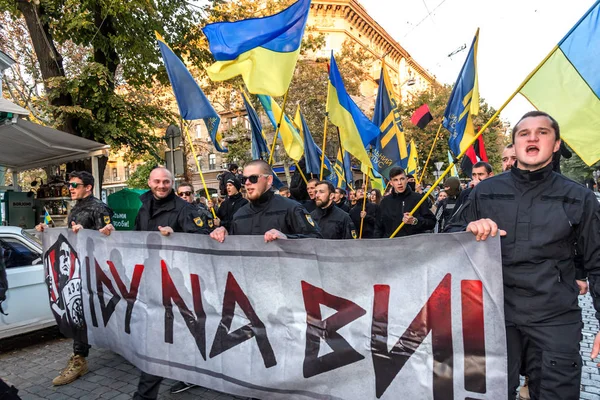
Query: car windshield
[32, 238]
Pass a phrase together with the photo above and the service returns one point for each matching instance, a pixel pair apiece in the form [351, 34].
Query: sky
[514, 37]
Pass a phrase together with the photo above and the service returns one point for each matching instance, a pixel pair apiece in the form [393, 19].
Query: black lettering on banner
[225, 340]
[195, 324]
[107, 309]
[316, 329]
[435, 317]
[89, 288]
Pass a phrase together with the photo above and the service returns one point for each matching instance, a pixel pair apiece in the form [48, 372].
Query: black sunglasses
[184, 193]
[74, 185]
[252, 178]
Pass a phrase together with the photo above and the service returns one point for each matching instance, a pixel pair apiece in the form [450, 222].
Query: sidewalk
[31, 369]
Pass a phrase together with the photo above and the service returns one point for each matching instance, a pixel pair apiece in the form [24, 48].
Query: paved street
[30, 363]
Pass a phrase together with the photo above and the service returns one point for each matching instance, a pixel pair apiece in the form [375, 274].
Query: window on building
[212, 161]
[127, 172]
[115, 175]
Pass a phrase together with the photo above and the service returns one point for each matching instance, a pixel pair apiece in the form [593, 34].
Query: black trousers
[551, 357]
[148, 387]
[81, 348]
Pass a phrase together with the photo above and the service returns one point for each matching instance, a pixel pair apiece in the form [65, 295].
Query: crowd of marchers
[549, 228]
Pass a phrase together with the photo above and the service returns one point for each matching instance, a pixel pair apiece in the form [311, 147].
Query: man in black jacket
[333, 222]
[340, 200]
[231, 204]
[186, 192]
[395, 209]
[267, 214]
[162, 210]
[545, 219]
[369, 216]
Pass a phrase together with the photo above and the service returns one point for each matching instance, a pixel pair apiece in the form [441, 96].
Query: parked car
[27, 303]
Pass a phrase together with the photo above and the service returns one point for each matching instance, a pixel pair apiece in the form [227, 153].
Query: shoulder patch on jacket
[309, 219]
[353, 232]
[107, 219]
[210, 223]
[198, 221]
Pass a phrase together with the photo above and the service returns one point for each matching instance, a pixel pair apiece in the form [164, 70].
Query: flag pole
[430, 152]
[365, 186]
[301, 173]
[278, 126]
[187, 133]
[487, 124]
[323, 148]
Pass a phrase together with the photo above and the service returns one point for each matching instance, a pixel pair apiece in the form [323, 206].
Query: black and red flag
[421, 117]
[473, 155]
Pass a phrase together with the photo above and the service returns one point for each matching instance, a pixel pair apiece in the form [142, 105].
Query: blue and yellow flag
[567, 86]
[292, 141]
[454, 171]
[343, 170]
[312, 152]
[391, 144]
[413, 159]
[356, 131]
[47, 218]
[260, 149]
[263, 51]
[191, 100]
[463, 104]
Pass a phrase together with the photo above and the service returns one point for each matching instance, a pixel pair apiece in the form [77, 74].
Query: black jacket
[90, 213]
[334, 223]
[229, 207]
[372, 209]
[309, 205]
[343, 205]
[391, 212]
[271, 211]
[547, 218]
[171, 211]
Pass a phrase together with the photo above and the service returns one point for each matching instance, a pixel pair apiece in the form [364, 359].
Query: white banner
[413, 318]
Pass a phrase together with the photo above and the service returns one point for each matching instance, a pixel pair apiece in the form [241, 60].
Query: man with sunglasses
[275, 217]
[186, 192]
[88, 213]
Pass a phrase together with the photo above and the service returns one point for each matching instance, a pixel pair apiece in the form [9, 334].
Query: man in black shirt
[267, 214]
[339, 200]
[333, 222]
[231, 204]
[88, 213]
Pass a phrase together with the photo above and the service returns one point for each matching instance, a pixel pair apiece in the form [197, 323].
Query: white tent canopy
[10, 107]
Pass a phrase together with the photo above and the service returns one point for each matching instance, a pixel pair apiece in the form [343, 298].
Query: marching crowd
[549, 228]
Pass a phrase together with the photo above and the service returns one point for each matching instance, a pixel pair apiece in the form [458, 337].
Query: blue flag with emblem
[191, 100]
[260, 149]
[463, 104]
[390, 150]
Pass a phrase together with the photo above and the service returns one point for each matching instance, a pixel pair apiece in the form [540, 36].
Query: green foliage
[139, 178]
[576, 169]
[238, 145]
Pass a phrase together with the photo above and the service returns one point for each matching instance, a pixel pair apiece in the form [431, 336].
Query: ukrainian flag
[567, 86]
[391, 144]
[413, 159]
[47, 218]
[260, 149]
[263, 51]
[463, 104]
[292, 141]
[192, 102]
[356, 131]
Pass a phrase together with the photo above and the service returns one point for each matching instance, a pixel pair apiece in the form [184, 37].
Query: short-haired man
[544, 219]
[310, 204]
[339, 200]
[231, 204]
[232, 170]
[165, 212]
[508, 157]
[186, 192]
[395, 209]
[88, 213]
[284, 191]
[274, 217]
[480, 171]
[333, 222]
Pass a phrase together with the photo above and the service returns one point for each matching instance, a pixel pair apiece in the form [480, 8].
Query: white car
[26, 303]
